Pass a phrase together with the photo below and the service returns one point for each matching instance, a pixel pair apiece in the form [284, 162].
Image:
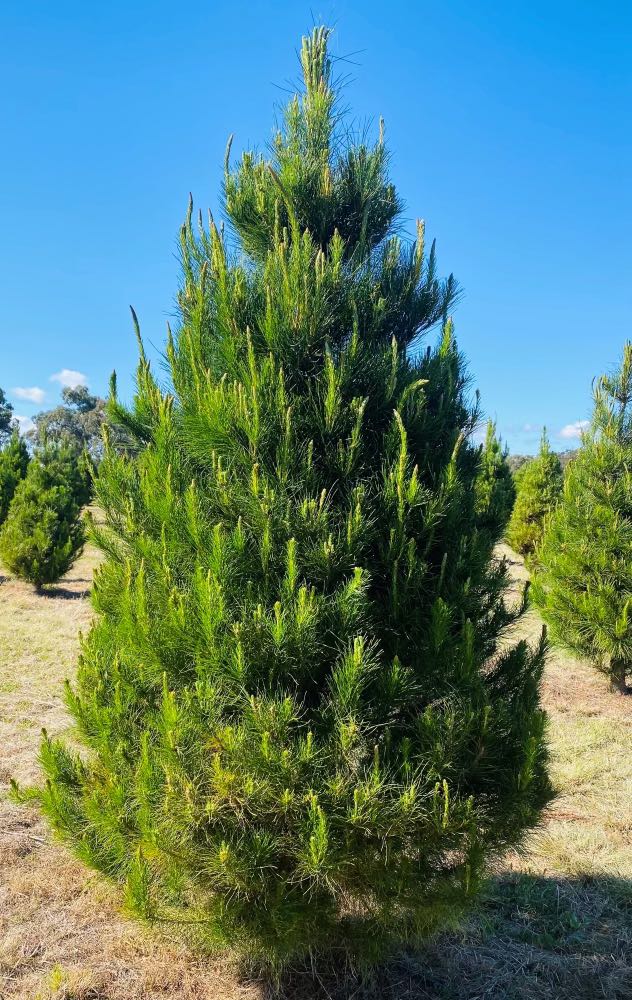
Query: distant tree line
[78, 420]
[7, 422]
[516, 462]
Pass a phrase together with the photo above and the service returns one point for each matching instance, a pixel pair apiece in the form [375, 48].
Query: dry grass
[556, 921]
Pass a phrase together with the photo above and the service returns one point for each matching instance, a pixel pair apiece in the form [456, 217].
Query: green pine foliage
[538, 487]
[583, 585]
[83, 477]
[495, 488]
[71, 466]
[7, 423]
[42, 534]
[14, 460]
[304, 731]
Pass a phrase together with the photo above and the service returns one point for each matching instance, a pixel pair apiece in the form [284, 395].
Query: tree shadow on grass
[529, 938]
[65, 593]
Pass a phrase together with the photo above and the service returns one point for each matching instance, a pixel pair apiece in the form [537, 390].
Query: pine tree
[538, 487]
[7, 422]
[14, 460]
[495, 488]
[42, 534]
[76, 468]
[69, 465]
[583, 586]
[304, 731]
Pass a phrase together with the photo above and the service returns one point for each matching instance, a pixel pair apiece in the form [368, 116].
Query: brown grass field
[554, 922]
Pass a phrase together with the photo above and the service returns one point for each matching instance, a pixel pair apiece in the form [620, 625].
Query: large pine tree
[304, 730]
[583, 586]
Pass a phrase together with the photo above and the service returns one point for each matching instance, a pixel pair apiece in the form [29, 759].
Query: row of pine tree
[307, 728]
[575, 531]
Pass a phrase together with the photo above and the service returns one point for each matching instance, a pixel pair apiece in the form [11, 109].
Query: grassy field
[555, 922]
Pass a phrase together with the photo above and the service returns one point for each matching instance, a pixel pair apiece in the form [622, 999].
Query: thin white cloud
[32, 393]
[25, 424]
[479, 433]
[69, 378]
[574, 431]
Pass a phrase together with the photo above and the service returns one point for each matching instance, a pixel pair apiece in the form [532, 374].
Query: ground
[554, 922]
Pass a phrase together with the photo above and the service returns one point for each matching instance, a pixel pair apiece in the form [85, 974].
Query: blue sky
[509, 125]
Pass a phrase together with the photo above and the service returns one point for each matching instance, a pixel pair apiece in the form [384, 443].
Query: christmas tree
[495, 488]
[538, 486]
[68, 464]
[305, 733]
[42, 534]
[76, 468]
[583, 586]
[14, 460]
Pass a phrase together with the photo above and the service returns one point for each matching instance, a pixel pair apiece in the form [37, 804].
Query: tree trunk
[618, 671]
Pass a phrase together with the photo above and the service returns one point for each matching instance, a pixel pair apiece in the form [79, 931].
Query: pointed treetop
[612, 395]
[318, 179]
[315, 60]
[141, 349]
[545, 446]
[490, 432]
